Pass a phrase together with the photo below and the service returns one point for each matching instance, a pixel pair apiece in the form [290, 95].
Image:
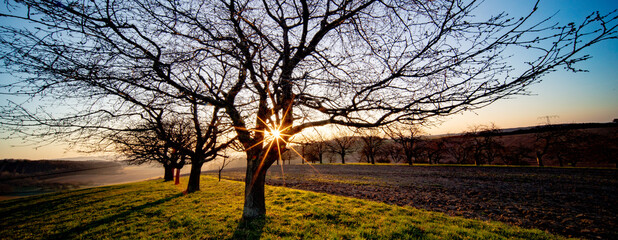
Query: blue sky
[572, 97]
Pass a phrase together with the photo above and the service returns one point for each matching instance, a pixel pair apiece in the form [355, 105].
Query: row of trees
[561, 145]
[257, 73]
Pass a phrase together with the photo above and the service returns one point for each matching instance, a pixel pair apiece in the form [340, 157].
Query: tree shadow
[76, 231]
[250, 228]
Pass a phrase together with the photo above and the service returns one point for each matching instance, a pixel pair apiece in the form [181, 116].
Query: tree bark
[194, 177]
[255, 178]
[169, 173]
[177, 181]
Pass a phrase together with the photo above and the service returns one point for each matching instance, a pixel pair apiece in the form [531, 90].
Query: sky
[567, 97]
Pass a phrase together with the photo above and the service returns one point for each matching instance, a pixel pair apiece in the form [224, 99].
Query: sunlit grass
[154, 209]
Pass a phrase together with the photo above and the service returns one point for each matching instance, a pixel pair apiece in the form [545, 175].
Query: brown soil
[566, 201]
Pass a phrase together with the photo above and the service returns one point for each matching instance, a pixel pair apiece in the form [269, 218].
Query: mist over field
[20, 178]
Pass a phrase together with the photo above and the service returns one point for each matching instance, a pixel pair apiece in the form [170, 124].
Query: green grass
[153, 209]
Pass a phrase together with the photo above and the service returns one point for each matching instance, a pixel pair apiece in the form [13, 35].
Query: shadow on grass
[76, 231]
[250, 229]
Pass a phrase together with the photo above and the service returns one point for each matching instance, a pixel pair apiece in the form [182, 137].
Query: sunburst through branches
[275, 137]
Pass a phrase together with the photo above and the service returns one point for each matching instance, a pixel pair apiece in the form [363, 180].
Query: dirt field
[567, 201]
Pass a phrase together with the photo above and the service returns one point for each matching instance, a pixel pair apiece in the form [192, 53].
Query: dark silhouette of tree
[372, 145]
[553, 140]
[605, 146]
[317, 148]
[407, 137]
[225, 161]
[459, 148]
[432, 150]
[175, 136]
[276, 68]
[391, 152]
[342, 144]
[143, 145]
[484, 144]
[518, 154]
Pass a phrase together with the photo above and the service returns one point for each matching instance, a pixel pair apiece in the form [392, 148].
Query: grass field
[153, 209]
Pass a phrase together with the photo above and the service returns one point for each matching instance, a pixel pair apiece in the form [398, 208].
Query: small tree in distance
[407, 137]
[342, 144]
[317, 147]
[144, 147]
[484, 146]
[372, 145]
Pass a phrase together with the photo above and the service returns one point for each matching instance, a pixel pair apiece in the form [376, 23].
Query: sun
[275, 133]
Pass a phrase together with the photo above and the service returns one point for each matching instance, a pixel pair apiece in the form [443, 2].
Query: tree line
[547, 145]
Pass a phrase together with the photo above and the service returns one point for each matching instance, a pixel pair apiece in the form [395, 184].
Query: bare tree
[143, 145]
[432, 149]
[342, 144]
[484, 144]
[407, 137]
[317, 147]
[518, 154]
[548, 139]
[199, 135]
[372, 144]
[279, 67]
[605, 146]
[225, 161]
[459, 148]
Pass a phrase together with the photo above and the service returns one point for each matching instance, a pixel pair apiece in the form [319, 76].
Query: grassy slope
[153, 209]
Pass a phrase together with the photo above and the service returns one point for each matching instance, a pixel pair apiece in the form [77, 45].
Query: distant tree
[144, 145]
[342, 144]
[552, 139]
[287, 156]
[391, 152]
[605, 146]
[199, 135]
[484, 144]
[432, 150]
[459, 148]
[407, 137]
[304, 151]
[318, 147]
[225, 161]
[372, 144]
[518, 154]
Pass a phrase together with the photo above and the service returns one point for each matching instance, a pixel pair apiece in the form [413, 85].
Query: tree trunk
[255, 178]
[342, 158]
[169, 173]
[194, 177]
[177, 181]
[539, 159]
